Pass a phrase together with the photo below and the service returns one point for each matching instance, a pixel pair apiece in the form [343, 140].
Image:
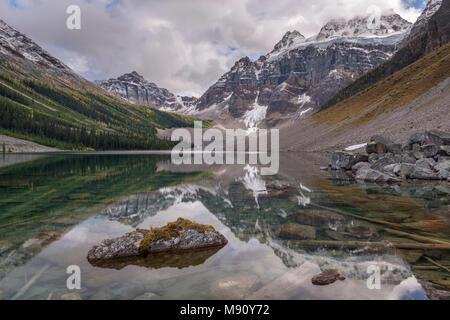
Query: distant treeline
[15, 118]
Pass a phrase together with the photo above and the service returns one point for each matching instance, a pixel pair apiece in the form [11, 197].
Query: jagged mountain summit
[136, 89]
[431, 8]
[301, 74]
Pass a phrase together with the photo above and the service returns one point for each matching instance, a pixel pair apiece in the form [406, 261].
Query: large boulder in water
[174, 237]
[370, 175]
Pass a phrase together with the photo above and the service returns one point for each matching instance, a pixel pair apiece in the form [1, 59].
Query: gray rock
[125, 246]
[405, 169]
[443, 137]
[444, 151]
[443, 174]
[426, 163]
[373, 157]
[430, 150]
[418, 155]
[376, 147]
[359, 165]
[343, 160]
[394, 148]
[341, 176]
[382, 162]
[397, 169]
[371, 175]
[407, 158]
[390, 167]
[415, 147]
[442, 165]
[424, 138]
[422, 173]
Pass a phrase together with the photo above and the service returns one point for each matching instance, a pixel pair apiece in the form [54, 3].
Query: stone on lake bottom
[295, 231]
[327, 277]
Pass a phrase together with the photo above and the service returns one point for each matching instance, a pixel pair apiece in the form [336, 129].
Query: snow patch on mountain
[253, 117]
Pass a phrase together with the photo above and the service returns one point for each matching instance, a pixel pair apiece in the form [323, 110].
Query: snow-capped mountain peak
[363, 27]
[289, 40]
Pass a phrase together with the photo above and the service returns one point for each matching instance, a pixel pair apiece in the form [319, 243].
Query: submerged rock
[295, 231]
[360, 232]
[147, 296]
[371, 175]
[342, 160]
[71, 296]
[319, 218]
[235, 287]
[326, 277]
[176, 236]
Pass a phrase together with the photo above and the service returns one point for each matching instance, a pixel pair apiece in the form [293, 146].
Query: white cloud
[181, 45]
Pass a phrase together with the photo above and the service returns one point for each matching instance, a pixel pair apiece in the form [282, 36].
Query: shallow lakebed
[55, 207]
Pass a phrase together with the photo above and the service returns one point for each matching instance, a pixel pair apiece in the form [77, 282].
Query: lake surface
[55, 207]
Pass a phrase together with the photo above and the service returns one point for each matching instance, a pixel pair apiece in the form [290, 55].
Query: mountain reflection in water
[85, 199]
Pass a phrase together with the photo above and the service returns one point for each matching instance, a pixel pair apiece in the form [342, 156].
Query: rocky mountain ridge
[19, 48]
[136, 89]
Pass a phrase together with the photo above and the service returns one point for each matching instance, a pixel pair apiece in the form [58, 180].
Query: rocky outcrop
[181, 235]
[136, 89]
[424, 157]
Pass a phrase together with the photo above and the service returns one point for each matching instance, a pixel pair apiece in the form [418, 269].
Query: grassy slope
[397, 90]
[78, 107]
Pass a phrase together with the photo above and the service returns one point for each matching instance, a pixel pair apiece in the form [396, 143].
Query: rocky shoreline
[426, 156]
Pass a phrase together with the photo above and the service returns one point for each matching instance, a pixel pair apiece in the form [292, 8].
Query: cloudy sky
[182, 45]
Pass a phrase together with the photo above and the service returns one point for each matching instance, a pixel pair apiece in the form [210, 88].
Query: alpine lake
[55, 207]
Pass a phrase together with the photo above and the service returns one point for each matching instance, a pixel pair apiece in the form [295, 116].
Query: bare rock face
[136, 89]
[176, 236]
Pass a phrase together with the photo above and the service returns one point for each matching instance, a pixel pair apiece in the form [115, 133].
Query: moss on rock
[171, 230]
